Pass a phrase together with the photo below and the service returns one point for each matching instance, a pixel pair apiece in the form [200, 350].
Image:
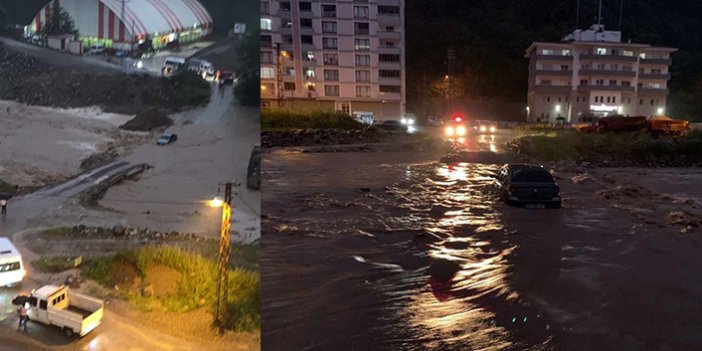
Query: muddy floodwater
[394, 251]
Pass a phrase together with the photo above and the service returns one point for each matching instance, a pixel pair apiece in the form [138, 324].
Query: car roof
[6, 247]
[522, 166]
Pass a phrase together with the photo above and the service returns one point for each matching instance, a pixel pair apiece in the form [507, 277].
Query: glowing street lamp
[660, 111]
[558, 108]
[217, 201]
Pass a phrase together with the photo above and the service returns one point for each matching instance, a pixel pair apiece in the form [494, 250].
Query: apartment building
[334, 55]
[591, 73]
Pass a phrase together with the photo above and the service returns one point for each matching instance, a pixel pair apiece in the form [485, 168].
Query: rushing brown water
[422, 263]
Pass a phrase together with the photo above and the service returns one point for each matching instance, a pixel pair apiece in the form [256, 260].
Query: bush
[191, 89]
[272, 119]
[199, 283]
[54, 264]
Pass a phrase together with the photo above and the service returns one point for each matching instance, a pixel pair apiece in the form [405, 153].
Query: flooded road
[394, 251]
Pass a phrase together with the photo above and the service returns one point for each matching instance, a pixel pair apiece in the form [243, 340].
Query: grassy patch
[636, 147]
[54, 264]
[198, 284]
[58, 232]
[7, 187]
[272, 119]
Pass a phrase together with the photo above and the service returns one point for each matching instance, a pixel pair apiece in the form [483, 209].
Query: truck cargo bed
[79, 310]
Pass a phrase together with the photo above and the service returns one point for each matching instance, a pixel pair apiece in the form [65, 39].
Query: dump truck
[656, 125]
[666, 125]
[74, 313]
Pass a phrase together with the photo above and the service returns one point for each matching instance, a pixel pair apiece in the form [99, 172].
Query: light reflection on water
[466, 302]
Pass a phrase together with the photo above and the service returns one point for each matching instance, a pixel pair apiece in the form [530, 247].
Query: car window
[532, 175]
[42, 304]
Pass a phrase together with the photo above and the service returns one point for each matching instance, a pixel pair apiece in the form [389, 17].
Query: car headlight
[410, 121]
[449, 131]
[482, 128]
[404, 121]
[461, 130]
[492, 129]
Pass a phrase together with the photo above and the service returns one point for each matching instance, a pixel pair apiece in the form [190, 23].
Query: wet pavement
[379, 251]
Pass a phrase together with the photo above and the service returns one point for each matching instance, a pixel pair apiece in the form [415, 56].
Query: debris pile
[131, 233]
[147, 120]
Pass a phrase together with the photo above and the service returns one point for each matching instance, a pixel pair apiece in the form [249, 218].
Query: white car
[11, 267]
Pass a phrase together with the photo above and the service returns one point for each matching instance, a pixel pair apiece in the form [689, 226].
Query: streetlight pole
[223, 259]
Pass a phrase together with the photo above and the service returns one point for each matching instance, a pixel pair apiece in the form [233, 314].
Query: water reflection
[466, 301]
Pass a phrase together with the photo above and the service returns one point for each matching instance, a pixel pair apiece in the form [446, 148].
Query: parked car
[484, 127]
[11, 267]
[391, 125]
[167, 139]
[253, 177]
[525, 184]
[76, 314]
[364, 117]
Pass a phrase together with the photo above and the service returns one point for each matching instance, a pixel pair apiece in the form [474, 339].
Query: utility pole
[223, 259]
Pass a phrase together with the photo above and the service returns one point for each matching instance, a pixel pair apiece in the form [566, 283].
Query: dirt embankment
[31, 81]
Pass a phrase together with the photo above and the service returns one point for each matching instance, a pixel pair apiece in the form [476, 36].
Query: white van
[96, 49]
[11, 267]
[172, 64]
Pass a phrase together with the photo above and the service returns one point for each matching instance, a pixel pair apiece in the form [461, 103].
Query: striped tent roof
[160, 16]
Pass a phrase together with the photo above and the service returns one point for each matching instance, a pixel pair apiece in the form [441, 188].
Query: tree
[248, 90]
[60, 22]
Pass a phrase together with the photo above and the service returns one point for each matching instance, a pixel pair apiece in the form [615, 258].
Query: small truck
[72, 312]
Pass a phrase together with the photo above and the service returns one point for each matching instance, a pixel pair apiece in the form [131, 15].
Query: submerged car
[253, 177]
[167, 139]
[530, 185]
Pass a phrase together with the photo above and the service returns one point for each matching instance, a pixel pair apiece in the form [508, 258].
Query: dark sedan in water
[530, 185]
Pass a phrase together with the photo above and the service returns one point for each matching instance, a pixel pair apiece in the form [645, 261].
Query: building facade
[124, 24]
[343, 55]
[593, 74]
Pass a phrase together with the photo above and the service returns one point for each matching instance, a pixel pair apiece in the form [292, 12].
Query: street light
[217, 201]
[660, 111]
[558, 108]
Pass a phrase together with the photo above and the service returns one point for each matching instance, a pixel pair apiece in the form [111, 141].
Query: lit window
[265, 24]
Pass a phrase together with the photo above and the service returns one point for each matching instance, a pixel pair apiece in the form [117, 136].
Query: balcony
[389, 35]
[605, 88]
[554, 57]
[653, 90]
[388, 2]
[665, 76]
[389, 50]
[388, 18]
[608, 57]
[329, 14]
[284, 14]
[655, 61]
[553, 72]
[306, 30]
[285, 30]
[552, 88]
[604, 72]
